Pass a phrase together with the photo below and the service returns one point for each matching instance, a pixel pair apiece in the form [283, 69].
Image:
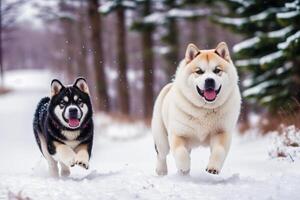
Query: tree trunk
[194, 35]
[98, 58]
[123, 87]
[67, 26]
[148, 62]
[172, 57]
[69, 44]
[1, 53]
[82, 58]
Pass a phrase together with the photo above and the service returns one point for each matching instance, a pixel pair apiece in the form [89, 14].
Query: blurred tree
[82, 44]
[98, 57]
[289, 18]
[144, 9]
[8, 18]
[68, 19]
[119, 8]
[267, 53]
[166, 15]
[171, 39]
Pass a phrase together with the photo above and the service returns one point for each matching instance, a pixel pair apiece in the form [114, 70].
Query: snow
[27, 12]
[288, 15]
[258, 88]
[293, 38]
[294, 4]
[162, 50]
[246, 63]
[155, 18]
[122, 166]
[271, 57]
[248, 43]
[280, 33]
[240, 21]
[159, 17]
[243, 2]
[287, 145]
[184, 13]
[251, 19]
[260, 16]
[231, 21]
[108, 6]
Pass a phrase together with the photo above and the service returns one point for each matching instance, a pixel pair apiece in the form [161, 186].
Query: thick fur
[58, 142]
[183, 119]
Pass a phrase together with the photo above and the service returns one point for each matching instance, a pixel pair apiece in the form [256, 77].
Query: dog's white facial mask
[71, 109]
[62, 112]
[208, 75]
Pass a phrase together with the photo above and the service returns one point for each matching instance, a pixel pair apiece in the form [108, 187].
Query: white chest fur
[71, 138]
[70, 135]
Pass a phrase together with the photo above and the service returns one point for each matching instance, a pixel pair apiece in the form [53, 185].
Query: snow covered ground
[124, 169]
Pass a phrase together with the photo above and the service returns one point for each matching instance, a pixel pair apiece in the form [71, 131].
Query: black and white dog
[63, 126]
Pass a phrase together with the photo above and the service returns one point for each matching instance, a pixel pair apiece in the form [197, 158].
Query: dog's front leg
[82, 156]
[181, 154]
[64, 154]
[219, 146]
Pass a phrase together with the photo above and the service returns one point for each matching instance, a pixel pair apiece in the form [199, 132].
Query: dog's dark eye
[200, 71]
[217, 70]
[62, 104]
[80, 103]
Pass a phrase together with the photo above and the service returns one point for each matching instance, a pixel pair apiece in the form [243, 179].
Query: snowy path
[125, 169]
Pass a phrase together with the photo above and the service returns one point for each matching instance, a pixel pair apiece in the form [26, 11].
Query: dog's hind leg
[219, 147]
[181, 154]
[161, 145]
[160, 134]
[52, 164]
[65, 170]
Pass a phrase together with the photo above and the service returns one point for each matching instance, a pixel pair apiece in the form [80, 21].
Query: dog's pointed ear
[56, 87]
[191, 52]
[81, 84]
[223, 51]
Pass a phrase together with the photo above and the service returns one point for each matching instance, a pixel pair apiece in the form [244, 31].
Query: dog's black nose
[209, 84]
[73, 112]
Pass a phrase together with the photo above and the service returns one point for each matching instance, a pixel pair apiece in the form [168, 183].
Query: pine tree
[152, 16]
[67, 18]
[269, 82]
[143, 9]
[98, 57]
[165, 15]
[119, 8]
[290, 48]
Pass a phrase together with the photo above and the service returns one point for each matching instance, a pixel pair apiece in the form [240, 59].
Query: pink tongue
[210, 94]
[73, 122]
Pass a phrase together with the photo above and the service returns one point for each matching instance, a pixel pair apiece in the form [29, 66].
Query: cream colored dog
[201, 107]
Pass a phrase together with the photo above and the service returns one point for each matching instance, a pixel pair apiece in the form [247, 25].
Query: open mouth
[74, 122]
[209, 94]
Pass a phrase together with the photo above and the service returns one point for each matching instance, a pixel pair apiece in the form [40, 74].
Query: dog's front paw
[82, 164]
[184, 172]
[212, 170]
[161, 172]
[161, 168]
[69, 160]
[82, 161]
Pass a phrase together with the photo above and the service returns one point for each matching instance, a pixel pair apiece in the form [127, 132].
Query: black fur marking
[156, 149]
[47, 124]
